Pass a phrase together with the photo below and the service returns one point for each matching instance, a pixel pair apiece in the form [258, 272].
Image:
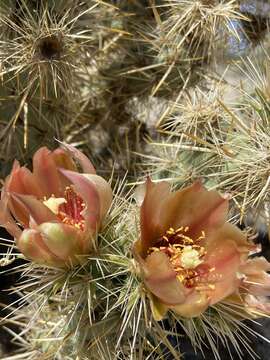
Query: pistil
[70, 212]
[68, 208]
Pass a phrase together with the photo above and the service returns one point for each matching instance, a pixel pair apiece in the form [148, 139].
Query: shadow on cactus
[49, 48]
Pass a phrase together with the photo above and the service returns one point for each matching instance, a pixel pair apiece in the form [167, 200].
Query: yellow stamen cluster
[185, 254]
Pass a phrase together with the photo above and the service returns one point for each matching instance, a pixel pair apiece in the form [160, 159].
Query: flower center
[186, 256]
[190, 258]
[68, 209]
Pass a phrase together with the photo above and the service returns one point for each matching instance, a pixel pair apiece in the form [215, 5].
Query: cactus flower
[55, 212]
[189, 257]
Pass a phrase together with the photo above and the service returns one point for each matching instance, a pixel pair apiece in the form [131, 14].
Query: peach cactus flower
[54, 212]
[188, 255]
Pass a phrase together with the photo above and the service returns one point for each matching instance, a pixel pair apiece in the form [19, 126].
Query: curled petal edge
[85, 163]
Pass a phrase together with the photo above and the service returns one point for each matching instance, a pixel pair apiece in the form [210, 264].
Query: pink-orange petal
[89, 193]
[161, 280]
[229, 232]
[34, 208]
[13, 181]
[197, 208]
[22, 181]
[152, 226]
[65, 241]
[256, 279]
[31, 244]
[63, 159]
[104, 191]
[29, 183]
[17, 209]
[223, 257]
[258, 305]
[196, 303]
[255, 266]
[46, 173]
[7, 221]
[85, 163]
